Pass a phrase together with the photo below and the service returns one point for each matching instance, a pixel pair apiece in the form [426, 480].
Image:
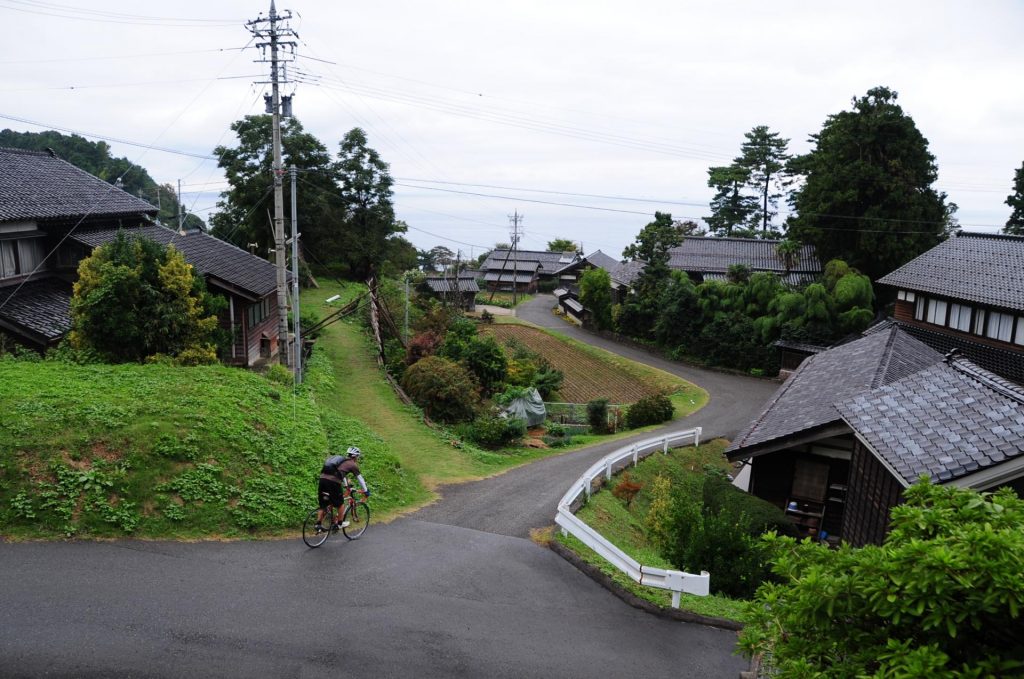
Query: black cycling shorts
[329, 493]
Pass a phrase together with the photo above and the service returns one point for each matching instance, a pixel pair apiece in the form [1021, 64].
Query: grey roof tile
[954, 418]
[542, 262]
[964, 268]
[210, 256]
[441, 285]
[805, 400]
[716, 255]
[41, 306]
[39, 186]
[1005, 362]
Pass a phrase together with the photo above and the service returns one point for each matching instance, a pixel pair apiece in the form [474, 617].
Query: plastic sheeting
[530, 408]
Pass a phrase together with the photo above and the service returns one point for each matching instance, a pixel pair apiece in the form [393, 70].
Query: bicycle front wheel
[358, 517]
[312, 536]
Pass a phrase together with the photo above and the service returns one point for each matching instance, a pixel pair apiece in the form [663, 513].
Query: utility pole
[516, 218]
[295, 281]
[271, 30]
[180, 208]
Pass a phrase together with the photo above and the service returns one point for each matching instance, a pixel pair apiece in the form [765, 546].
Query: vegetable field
[587, 375]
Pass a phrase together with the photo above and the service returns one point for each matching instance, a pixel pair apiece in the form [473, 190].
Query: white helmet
[354, 452]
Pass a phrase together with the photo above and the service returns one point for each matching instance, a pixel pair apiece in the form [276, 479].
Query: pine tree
[1015, 224]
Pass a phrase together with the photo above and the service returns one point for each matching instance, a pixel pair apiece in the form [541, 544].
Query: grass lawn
[624, 526]
[502, 299]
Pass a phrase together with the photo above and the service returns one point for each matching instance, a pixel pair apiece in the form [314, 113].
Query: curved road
[452, 591]
[524, 498]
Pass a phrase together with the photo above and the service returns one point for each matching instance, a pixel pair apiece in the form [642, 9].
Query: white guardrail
[676, 581]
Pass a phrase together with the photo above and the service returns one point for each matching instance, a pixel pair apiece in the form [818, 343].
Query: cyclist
[333, 478]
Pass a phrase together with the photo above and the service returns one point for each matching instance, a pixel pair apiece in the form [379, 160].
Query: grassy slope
[624, 526]
[159, 451]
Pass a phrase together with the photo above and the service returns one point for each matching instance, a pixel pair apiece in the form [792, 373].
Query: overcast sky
[629, 102]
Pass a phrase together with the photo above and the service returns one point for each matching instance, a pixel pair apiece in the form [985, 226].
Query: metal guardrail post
[664, 443]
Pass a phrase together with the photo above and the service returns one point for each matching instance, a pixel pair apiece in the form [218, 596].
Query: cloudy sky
[585, 117]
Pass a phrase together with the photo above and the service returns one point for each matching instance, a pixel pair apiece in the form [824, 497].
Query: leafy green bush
[941, 597]
[547, 380]
[758, 516]
[422, 345]
[653, 409]
[720, 543]
[280, 374]
[490, 431]
[597, 415]
[444, 389]
[486, 361]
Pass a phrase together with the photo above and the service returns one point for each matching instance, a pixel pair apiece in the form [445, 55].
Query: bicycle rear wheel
[310, 535]
[358, 517]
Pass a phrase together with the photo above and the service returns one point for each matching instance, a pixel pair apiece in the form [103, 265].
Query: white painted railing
[676, 581]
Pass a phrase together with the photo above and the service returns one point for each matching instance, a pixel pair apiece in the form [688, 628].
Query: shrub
[422, 345]
[719, 543]
[759, 516]
[547, 380]
[445, 390]
[653, 409]
[487, 317]
[626, 489]
[597, 415]
[492, 431]
[941, 597]
[460, 333]
[485, 359]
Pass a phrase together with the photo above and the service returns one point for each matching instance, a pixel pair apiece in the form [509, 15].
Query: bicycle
[357, 514]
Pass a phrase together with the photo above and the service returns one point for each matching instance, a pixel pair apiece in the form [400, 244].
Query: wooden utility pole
[516, 218]
[271, 30]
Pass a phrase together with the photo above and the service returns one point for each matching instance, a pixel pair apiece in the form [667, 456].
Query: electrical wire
[115, 57]
[99, 16]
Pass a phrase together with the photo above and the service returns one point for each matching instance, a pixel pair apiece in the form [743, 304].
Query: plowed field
[586, 377]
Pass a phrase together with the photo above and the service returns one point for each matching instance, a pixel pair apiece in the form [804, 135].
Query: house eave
[796, 439]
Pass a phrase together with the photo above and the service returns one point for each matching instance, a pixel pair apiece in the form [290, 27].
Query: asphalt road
[452, 591]
[409, 599]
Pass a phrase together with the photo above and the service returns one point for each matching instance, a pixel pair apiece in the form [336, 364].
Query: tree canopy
[941, 597]
[561, 245]
[135, 298]
[867, 196]
[596, 296]
[1015, 224]
[764, 156]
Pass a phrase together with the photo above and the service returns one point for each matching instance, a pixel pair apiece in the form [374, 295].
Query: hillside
[159, 451]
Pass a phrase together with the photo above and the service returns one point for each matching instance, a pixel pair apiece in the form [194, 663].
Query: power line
[144, 83]
[98, 16]
[116, 57]
[151, 147]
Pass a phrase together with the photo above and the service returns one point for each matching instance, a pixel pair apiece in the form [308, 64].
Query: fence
[576, 413]
[676, 581]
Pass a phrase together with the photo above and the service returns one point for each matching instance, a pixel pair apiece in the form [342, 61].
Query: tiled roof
[805, 400]
[41, 307]
[603, 261]
[982, 268]
[210, 256]
[547, 262]
[627, 273]
[1003, 362]
[443, 285]
[947, 421]
[716, 255]
[37, 185]
[507, 276]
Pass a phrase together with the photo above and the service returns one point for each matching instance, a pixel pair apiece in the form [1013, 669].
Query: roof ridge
[982, 234]
[883, 365]
[27, 152]
[987, 379]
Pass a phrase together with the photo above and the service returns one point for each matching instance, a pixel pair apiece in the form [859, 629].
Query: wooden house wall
[236, 354]
[873, 491]
[254, 335]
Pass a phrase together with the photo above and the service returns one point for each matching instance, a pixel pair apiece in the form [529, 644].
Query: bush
[547, 380]
[445, 390]
[759, 516]
[626, 489]
[941, 597]
[490, 431]
[487, 317]
[649, 410]
[485, 359]
[422, 345]
[597, 415]
[720, 544]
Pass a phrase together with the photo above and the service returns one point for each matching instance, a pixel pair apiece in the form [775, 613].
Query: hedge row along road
[586, 377]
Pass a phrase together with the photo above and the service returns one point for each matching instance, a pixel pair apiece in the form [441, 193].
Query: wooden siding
[254, 335]
[873, 491]
[903, 311]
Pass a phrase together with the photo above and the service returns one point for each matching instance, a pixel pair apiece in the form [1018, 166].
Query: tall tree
[369, 212]
[867, 196]
[596, 296]
[244, 208]
[561, 245]
[731, 207]
[763, 155]
[1015, 224]
[652, 246]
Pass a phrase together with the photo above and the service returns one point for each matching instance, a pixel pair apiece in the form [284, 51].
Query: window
[979, 322]
[960, 317]
[919, 308]
[259, 311]
[936, 311]
[1019, 339]
[999, 326]
[20, 257]
[905, 296]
